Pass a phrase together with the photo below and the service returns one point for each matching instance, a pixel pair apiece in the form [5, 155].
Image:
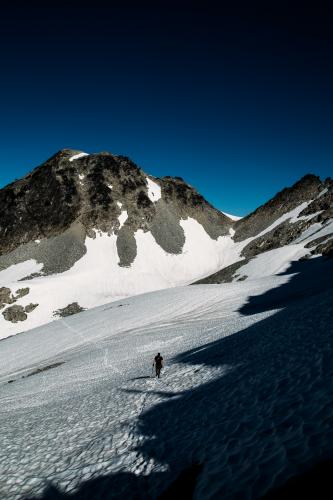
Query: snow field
[247, 395]
[97, 278]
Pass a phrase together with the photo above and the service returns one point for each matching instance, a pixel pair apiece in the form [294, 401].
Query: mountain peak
[94, 190]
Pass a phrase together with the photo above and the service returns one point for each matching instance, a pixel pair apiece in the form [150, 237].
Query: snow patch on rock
[154, 190]
[122, 218]
[77, 156]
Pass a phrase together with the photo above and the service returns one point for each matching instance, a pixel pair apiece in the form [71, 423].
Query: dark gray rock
[317, 241]
[30, 307]
[322, 204]
[126, 246]
[225, 275]
[166, 228]
[57, 253]
[325, 248]
[69, 310]
[14, 314]
[241, 278]
[309, 187]
[281, 235]
[6, 296]
[21, 292]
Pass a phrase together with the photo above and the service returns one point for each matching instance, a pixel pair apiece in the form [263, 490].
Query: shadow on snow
[266, 420]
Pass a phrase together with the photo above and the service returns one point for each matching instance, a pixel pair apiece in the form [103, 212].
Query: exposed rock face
[318, 212]
[47, 215]
[5, 296]
[69, 310]
[21, 292]
[309, 187]
[8, 297]
[30, 307]
[325, 248]
[15, 313]
[225, 275]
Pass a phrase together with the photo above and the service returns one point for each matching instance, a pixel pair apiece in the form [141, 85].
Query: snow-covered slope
[246, 392]
[245, 401]
[97, 278]
[84, 229]
[304, 230]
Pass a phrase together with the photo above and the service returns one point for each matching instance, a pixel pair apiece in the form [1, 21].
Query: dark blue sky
[237, 101]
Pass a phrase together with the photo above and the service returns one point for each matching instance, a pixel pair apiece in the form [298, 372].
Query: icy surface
[246, 391]
[154, 190]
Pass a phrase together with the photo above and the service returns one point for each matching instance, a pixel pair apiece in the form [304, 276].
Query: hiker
[158, 363]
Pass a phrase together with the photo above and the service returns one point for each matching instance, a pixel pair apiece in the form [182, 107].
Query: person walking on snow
[158, 363]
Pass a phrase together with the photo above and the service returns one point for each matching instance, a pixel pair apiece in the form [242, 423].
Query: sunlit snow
[122, 218]
[154, 190]
[77, 156]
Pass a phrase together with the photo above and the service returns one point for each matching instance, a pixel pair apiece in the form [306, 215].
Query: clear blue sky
[238, 102]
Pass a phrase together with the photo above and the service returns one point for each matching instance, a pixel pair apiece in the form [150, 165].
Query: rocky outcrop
[21, 292]
[15, 314]
[225, 275]
[6, 296]
[69, 310]
[308, 188]
[323, 247]
[318, 212]
[30, 307]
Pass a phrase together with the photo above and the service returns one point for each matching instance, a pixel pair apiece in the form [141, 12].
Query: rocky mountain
[297, 218]
[83, 230]
[80, 194]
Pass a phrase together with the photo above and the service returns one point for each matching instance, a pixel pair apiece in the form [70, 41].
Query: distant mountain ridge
[300, 215]
[84, 229]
